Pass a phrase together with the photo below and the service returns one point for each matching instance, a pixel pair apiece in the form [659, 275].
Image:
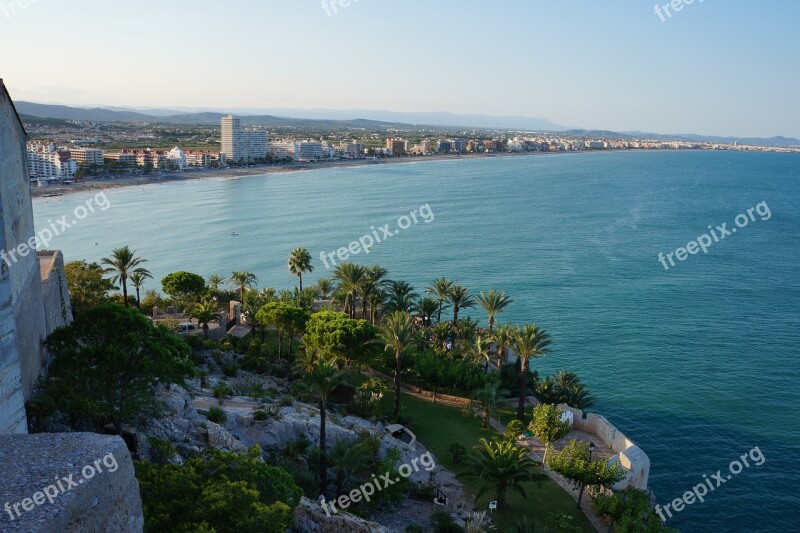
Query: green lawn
[437, 426]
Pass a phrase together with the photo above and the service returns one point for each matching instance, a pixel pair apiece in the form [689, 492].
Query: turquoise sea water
[698, 364]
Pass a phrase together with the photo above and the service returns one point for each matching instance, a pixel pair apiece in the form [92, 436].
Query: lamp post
[580, 494]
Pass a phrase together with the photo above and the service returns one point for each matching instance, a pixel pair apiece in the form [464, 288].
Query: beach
[132, 180]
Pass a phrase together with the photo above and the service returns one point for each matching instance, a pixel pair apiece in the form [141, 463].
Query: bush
[230, 369]
[260, 415]
[442, 522]
[215, 414]
[457, 452]
[286, 401]
[161, 451]
[414, 528]
[195, 342]
[222, 390]
[514, 429]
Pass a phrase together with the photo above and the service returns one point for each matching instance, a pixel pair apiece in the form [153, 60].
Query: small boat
[234, 234]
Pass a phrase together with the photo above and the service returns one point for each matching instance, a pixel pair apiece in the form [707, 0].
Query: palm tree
[398, 335]
[572, 391]
[137, 280]
[347, 458]
[477, 351]
[529, 342]
[401, 297]
[378, 274]
[204, 312]
[122, 264]
[486, 399]
[300, 263]
[215, 281]
[243, 280]
[349, 276]
[460, 298]
[503, 337]
[324, 288]
[441, 288]
[321, 378]
[500, 465]
[427, 308]
[376, 300]
[493, 303]
[547, 391]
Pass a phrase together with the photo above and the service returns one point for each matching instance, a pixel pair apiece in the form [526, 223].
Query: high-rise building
[87, 156]
[242, 146]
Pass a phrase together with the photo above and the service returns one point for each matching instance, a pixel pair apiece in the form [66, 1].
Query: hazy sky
[715, 67]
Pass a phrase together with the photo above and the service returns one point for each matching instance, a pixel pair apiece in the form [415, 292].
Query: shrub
[414, 528]
[222, 390]
[442, 522]
[286, 401]
[161, 451]
[215, 414]
[514, 429]
[230, 369]
[195, 342]
[457, 452]
[260, 415]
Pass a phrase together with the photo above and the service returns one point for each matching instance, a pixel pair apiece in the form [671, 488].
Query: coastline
[233, 173]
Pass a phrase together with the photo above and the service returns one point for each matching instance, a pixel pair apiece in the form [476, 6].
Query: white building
[46, 163]
[242, 146]
[177, 157]
[87, 156]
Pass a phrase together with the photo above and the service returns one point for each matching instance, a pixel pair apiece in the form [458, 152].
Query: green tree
[350, 277]
[243, 281]
[493, 303]
[485, 398]
[137, 280]
[502, 466]
[333, 334]
[300, 263]
[288, 319]
[215, 281]
[548, 426]
[218, 491]
[574, 462]
[503, 338]
[183, 286]
[87, 286]
[321, 379]
[325, 288]
[427, 308]
[630, 510]
[204, 312]
[401, 297]
[530, 342]
[572, 391]
[441, 289]
[112, 356]
[122, 264]
[398, 335]
[348, 458]
[460, 298]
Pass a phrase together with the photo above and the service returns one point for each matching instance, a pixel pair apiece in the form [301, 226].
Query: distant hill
[76, 113]
[780, 142]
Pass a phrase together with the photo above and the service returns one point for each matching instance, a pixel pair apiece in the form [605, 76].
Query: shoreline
[234, 173]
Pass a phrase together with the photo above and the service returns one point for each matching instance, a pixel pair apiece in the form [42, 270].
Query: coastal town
[60, 152]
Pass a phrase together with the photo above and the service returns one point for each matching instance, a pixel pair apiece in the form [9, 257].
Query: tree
[243, 281]
[87, 286]
[288, 319]
[204, 312]
[401, 297]
[427, 308]
[500, 465]
[350, 276]
[325, 288]
[112, 356]
[218, 491]
[398, 335]
[572, 391]
[493, 303]
[630, 510]
[503, 338]
[529, 342]
[184, 286]
[333, 334]
[548, 426]
[346, 458]
[441, 288]
[486, 400]
[122, 263]
[321, 380]
[574, 463]
[215, 281]
[460, 298]
[137, 280]
[300, 263]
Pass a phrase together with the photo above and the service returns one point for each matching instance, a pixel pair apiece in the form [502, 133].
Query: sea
[693, 354]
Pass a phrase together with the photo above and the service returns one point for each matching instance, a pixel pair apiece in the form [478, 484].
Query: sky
[714, 67]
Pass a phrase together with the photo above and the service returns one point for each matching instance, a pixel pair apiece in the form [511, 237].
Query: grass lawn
[437, 426]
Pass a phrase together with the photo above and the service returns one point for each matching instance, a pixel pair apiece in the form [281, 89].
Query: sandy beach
[131, 180]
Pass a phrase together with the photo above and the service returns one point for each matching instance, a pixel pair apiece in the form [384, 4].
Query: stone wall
[630, 456]
[55, 294]
[103, 495]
